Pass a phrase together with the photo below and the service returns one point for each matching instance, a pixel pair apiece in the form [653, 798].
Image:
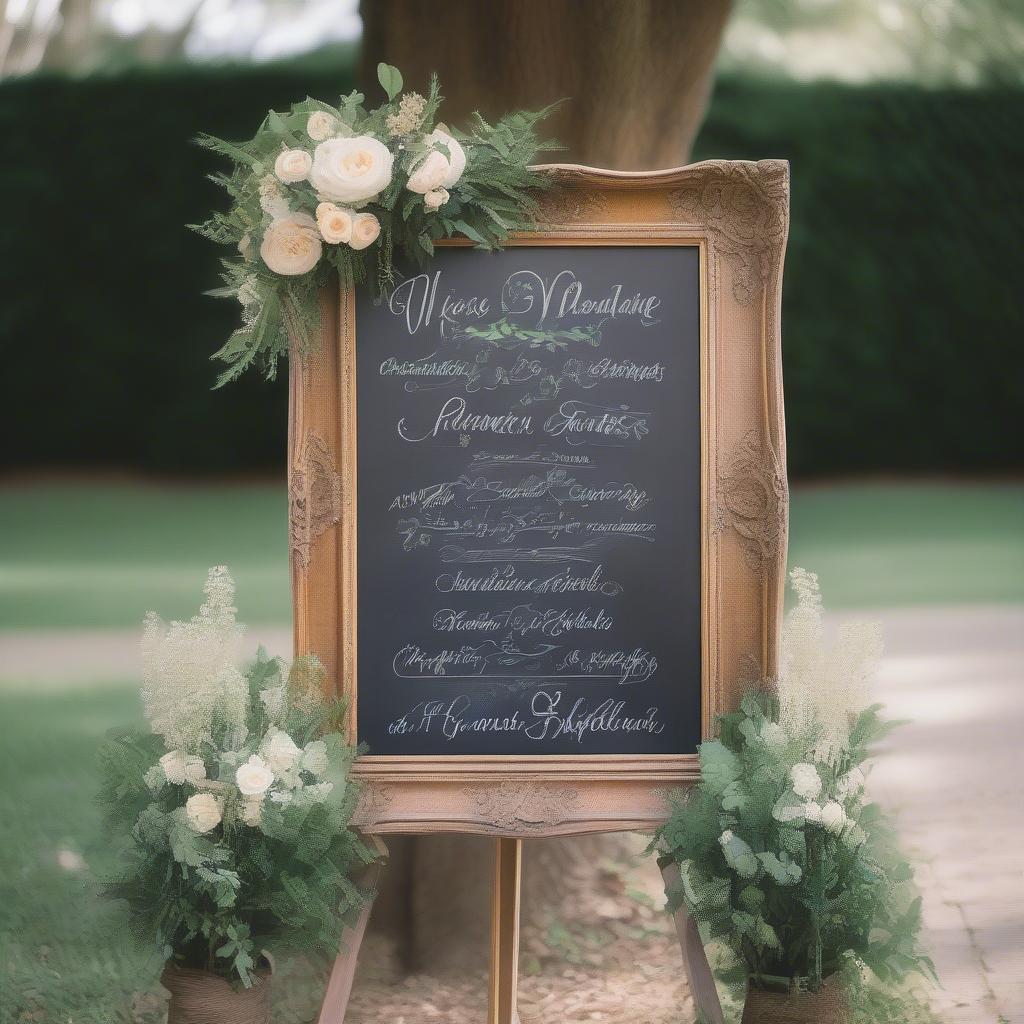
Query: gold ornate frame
[737, 213]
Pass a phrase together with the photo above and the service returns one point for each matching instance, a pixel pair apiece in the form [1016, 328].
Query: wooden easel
[504, 973]
[504, 976]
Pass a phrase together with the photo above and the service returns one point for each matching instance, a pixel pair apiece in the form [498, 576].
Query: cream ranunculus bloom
[291, 245]
[321, 125]
[293, 165]
[334, 222]
[203, 812]
[456, 156]
[365, 230]
[254, 777]
[351, 170]
[429, 174]
[280, 752]
[435, 198]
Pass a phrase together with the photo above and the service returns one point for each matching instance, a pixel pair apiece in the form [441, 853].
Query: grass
[66, 955]
[104, 554]
[101, 555]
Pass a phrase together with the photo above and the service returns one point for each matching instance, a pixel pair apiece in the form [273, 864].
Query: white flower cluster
[190, 677]
[802, 805]
[347, 172]
[198, 701]
[280, 772]
[822, 688]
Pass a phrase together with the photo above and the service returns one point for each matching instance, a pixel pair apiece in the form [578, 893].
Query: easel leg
[508, 861]
[695, 960]
[339, 987]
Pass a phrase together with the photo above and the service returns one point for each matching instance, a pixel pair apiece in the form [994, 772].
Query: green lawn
[102, 555]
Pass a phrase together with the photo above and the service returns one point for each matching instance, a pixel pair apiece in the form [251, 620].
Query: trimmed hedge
[903, 295]
[902, 301]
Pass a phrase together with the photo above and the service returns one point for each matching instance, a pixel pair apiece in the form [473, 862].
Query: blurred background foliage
[902, 312]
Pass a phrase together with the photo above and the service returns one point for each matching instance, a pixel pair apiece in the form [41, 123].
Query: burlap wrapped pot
[198, 997]
[826, 1006]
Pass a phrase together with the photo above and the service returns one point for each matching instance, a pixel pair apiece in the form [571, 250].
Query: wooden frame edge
[738, 213]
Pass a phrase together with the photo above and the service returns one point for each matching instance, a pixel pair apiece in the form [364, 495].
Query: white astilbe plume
[822, 688]
[189, 669]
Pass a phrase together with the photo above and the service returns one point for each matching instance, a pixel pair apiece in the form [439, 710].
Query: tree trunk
[636, 75]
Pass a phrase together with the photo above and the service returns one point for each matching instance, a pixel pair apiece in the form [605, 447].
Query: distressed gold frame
[737, 214]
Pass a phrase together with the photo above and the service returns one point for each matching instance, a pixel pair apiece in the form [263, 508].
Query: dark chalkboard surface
[529, 504]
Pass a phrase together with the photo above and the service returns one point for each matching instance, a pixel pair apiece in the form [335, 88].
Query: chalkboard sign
[537, 503]
[529, 504]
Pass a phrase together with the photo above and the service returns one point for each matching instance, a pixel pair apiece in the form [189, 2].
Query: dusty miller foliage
[495, 196]
[781, 857]
[272, 871]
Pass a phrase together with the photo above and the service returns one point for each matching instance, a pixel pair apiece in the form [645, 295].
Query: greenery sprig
[781, 856]
[337, 192]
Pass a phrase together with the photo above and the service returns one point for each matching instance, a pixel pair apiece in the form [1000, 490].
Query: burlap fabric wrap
[826, 1006]
[198, 997]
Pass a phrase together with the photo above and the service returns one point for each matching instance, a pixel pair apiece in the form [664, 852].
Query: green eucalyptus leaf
[390, 79]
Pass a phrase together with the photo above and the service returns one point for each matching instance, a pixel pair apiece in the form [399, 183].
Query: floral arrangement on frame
[326, 191]
[235, 805]
[782, 859]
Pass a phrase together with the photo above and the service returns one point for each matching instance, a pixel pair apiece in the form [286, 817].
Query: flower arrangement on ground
[781, 857]
[237, 802]
[327, 191]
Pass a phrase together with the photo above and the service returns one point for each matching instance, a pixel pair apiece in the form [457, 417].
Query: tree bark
[636, 74]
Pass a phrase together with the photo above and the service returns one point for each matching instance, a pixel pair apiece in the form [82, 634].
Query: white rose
[293, 165]
[365, 229]
[203, 812]
[280, 752]
[252, 810]
[254, 777]
[435, 198]
[429, 174]
[456, 156]
[292, 245]
[806, 780]
[180, 767]
[833, 817]
[812, 813]
[351, 170]
[335, 223]
[773, 734]
[321, 125]
[284, 798]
